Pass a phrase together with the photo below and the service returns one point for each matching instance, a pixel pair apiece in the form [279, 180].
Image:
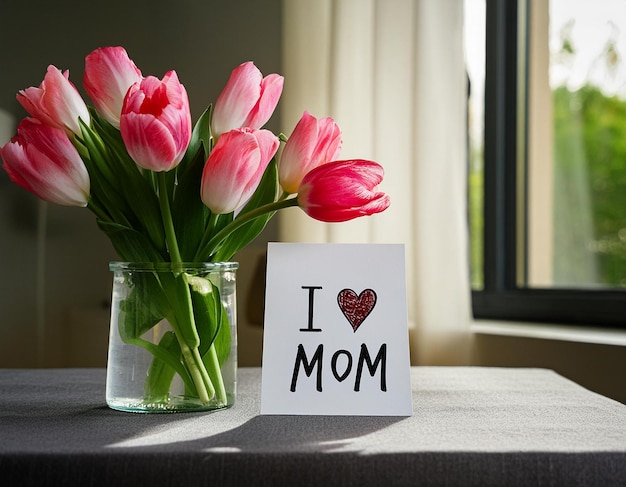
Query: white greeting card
[336, 336]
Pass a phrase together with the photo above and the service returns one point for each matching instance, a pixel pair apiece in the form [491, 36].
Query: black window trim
[501, 298]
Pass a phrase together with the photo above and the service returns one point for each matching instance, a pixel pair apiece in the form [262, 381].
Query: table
[471, 426]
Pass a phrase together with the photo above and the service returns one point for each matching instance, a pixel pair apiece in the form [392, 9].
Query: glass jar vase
[173, 337]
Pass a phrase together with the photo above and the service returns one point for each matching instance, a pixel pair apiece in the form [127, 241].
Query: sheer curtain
[392, 75]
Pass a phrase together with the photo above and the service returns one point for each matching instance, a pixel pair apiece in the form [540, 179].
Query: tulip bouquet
[164, 192]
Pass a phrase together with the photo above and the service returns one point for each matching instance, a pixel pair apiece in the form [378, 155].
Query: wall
[55, 286]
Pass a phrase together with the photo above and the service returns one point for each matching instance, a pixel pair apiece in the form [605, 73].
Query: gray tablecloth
[471, 426]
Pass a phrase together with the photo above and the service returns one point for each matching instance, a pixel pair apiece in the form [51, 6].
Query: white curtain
[391, 73]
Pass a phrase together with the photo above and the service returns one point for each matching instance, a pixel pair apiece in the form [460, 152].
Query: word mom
[364, 359]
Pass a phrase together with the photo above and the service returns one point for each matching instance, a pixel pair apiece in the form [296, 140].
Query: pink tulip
[42, 160]
[342, 190]
[56, 102]
[108, 74]
[248, 100]
[311, 144]
[235, 167]
[156, 122]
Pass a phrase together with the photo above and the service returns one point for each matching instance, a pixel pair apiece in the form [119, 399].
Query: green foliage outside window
[590, 188]
[589, 213]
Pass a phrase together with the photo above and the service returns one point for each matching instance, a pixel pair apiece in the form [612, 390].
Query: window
[547, 182]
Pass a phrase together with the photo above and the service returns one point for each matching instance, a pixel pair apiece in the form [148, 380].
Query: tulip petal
[328, 141]
[312, 143]
[55, 102]
[235, 168]
[109, 73]
[271, 89]
[247, 101]
[149, 143]
[156, 122]
[343, 190]
[62, 98]
[42, 160]
[238, 98]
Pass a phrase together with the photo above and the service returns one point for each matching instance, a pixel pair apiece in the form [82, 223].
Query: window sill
[601, 336]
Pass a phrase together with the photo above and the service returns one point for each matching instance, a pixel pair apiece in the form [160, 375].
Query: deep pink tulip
[343, 190]
[42, 160]
[56, 101]
[235, 167]
[312, 143]
[108, 74]
[248, 100]
[156, 122]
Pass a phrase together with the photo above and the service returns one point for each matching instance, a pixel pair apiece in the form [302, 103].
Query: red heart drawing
[356, 308]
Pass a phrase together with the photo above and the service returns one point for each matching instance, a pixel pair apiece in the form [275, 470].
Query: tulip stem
[244, 218]
[187, 333]
[168, 223]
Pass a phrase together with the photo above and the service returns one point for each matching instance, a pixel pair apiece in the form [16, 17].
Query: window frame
[501, 297]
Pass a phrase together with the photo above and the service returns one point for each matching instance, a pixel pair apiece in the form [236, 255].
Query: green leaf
[144, 307]
[211, 318]
[200, 139]
[205, 310]
[130, 245]
[266, 192]
[160, 373]
[191, 217]
[139, 196]
[169, 358]
[178, 295]
[189, 214]
[104, 188]
[223, 339]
